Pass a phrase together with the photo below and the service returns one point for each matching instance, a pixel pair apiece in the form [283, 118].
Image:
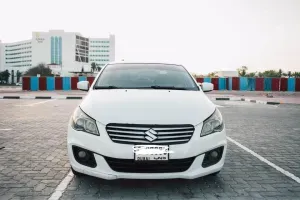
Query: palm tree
[243, 70]
[280, 73]
[251, 74]
[19, 74]
[6, 76]
[12, 76]
[93, 66]
[296, 74]
[212, 74]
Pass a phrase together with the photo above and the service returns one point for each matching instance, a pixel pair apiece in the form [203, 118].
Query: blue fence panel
[291, 84]
[81, 78]
[243, 83]
[34, 83]
[230, 83]
[251, 84]
[207, 79]
[66, 83]
[222, 83]
[267, 84]
[50, 83]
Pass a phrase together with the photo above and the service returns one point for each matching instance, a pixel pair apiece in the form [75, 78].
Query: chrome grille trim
[146, 142]
[135, 133]
[128, 136]
[175, 136]
[129, 132]
[124, 127]
[173, 133]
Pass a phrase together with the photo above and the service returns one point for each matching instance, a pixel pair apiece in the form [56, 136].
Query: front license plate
[146, 153]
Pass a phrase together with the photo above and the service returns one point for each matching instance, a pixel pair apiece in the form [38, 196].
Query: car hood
[136, 106]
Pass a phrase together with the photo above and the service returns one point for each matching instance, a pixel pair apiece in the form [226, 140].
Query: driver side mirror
[206, 87]
[83, 85]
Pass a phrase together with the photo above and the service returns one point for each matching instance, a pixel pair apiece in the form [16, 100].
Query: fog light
[212, 157]
[214, 154]
[81, 154]
[84, 157]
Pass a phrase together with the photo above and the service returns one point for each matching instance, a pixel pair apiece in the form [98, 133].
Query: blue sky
[203, 35]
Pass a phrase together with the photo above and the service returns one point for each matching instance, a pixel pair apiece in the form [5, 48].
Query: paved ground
[282, 97]
[34, 160]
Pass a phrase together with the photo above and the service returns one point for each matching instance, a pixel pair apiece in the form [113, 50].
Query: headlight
[213, 124]
[82, 122]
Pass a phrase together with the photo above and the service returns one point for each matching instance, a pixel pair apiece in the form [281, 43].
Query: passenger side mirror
[83, 85]
[207, 87]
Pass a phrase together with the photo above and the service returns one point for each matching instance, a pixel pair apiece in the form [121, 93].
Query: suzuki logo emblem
[151, 135]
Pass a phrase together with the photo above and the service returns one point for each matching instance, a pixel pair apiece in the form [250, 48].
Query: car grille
[130, 166]
[159, 134]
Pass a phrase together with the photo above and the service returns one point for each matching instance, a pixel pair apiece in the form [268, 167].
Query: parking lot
[262, 159]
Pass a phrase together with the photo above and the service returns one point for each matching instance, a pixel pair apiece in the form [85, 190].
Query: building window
[56, 50]
[52, 50]
[82, 49]
[60, 51]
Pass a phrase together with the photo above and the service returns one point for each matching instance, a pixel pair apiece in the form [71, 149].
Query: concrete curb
[245, 99]
[41, 97]
[261, 102]
[81, 97]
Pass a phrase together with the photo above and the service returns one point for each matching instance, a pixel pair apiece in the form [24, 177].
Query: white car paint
[147, 107]
[207, 86]
[144, 106]
[83, 85]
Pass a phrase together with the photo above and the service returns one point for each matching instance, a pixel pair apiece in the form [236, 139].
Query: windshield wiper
[153, 87]
[106, 87]
[168, 87]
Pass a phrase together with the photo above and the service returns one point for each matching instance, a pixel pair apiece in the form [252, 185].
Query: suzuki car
[146, 121]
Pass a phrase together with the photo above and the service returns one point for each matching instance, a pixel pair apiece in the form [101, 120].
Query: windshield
[152, 76]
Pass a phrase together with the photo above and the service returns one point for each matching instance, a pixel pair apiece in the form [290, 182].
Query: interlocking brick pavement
[241, 178]
[271, 131]
[34, 159]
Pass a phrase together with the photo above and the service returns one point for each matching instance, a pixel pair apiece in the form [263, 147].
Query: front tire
[78, 174]
[215, 174]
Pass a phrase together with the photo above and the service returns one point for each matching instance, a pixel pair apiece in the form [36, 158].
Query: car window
[145, 76]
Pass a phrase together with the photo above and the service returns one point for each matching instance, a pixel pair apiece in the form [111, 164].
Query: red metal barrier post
[58, 83]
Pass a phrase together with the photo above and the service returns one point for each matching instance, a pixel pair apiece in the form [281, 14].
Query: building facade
[1, 55]
[64, 52]
[15, 55]
[227, 73]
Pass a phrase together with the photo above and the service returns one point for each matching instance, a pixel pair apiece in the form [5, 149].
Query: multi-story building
[66, 51]
[16, 55]
[102, 50]
[1, 55]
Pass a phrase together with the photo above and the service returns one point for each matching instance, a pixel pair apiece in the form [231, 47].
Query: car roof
[134, 62]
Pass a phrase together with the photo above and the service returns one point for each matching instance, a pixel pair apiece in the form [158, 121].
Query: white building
[1, 55]
[227, 73]
[69, 51]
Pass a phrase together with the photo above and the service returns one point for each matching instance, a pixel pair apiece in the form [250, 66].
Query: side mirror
[83, 85]
[207, 87]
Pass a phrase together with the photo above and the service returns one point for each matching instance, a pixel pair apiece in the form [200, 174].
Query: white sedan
[146, 121]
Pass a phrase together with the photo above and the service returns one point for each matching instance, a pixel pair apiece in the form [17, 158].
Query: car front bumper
[102, 146]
